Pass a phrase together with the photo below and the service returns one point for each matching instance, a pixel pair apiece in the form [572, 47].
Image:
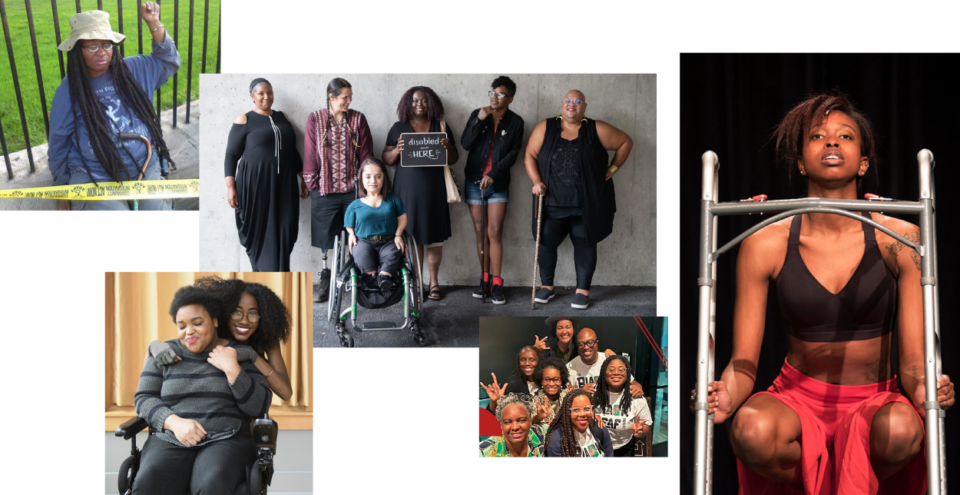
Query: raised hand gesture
[540, 344]
[150, 13]
[637, 428]
[494, 391]
[543, 410]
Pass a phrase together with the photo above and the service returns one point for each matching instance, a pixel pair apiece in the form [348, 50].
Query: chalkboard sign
[423, 149]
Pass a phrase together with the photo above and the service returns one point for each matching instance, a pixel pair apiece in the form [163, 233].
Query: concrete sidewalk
[183, 141]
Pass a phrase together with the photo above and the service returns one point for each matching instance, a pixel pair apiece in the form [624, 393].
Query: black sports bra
[863, 309]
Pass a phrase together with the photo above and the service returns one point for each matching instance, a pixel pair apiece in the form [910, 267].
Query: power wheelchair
[259, 475]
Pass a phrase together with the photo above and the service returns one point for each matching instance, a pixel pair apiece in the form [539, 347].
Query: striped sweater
[194, 389]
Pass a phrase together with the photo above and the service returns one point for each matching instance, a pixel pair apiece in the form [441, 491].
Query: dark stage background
[730, 104]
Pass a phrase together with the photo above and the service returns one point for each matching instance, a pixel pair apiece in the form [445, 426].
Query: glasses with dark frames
[252, 317]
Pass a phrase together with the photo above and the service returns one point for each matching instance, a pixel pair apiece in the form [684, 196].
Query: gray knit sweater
[195, 389]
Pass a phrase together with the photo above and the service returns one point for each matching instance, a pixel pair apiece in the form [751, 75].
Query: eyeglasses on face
[551, 380]
[499, 96]
[96, 48]
[587, 343]
[621, 370]
[578, 410]
[568, 101]
[252, 316]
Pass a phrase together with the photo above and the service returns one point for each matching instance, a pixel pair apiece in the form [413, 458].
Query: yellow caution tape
[112, 191]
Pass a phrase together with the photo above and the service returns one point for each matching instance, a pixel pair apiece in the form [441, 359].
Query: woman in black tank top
[834, 420]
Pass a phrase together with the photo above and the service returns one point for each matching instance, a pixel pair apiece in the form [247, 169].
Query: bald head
[587, 345]
[570, 110]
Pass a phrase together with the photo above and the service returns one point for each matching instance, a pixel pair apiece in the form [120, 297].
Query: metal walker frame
[710, 210]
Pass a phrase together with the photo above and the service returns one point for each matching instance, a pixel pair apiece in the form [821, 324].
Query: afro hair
[188, 295]
[274, 324]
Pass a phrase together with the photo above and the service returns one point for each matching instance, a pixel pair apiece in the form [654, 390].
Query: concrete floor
[454, 320]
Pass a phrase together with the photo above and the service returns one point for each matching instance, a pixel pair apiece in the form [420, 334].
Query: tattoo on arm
[897, 246]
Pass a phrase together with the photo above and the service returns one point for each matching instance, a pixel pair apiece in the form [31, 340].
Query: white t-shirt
[619, 422]
[582, 373]
[587, 444]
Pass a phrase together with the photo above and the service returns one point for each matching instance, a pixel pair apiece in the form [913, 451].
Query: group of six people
[566, 159]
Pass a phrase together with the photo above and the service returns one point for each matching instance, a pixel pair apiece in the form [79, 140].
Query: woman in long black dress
[422, 189]
[261, 168]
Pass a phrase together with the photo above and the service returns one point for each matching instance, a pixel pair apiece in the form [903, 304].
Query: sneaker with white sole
[544, 295]
[483, 291]
[580, 301]
[497, 295]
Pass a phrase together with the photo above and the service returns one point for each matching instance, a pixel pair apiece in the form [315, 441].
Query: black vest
[596, 193]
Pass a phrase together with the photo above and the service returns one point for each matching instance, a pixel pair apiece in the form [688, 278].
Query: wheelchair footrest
[375, 325]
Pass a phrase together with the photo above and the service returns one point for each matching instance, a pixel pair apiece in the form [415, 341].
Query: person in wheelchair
[255, 316]
[375, 222]
[199, 409]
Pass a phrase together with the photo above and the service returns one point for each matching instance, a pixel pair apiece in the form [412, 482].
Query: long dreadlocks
[94, 115]
[602, 397]
[562, 422]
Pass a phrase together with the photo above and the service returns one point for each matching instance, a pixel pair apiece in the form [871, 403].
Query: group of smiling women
[566, 160]
[563, 400]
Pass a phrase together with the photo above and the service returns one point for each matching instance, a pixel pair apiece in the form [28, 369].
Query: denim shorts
[472, 192]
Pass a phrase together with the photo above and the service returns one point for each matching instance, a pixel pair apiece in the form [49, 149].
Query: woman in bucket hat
[103, 95]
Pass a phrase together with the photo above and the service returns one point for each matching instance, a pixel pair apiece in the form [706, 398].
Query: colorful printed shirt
[333, 151]
[587, 445]
[497, 446]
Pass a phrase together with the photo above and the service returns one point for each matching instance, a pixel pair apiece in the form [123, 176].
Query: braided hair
[568, 443]
[94, 115]
[335, 87]
[602, 397]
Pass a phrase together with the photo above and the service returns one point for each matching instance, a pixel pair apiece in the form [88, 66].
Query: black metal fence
[174, 34]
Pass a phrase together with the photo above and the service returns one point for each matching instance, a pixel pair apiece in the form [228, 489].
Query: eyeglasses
[587, 343]
[252, 317]
[568, 101]
[96, 48]
[551, 380]
[620, 370]
[499, 96]
[578, 410]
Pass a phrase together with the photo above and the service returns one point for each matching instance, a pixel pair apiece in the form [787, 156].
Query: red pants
[835, 440]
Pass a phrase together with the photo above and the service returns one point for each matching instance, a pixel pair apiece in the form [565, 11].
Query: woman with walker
[834, 420]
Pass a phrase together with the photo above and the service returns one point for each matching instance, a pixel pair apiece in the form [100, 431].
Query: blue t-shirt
[368, 221]
[66, 165]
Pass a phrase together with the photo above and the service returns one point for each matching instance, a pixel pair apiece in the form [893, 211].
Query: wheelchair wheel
[418, 335]
[346, 340]
[333, 300]
[254, 485]
[413, 257]
[126, 475]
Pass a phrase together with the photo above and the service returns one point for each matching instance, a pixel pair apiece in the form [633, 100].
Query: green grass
[50, 66]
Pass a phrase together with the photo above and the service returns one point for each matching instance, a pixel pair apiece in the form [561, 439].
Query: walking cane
[536, 253]
[143, 170]
[483, 244]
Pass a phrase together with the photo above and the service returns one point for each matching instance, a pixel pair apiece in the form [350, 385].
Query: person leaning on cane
[566, 160]
[102, 96]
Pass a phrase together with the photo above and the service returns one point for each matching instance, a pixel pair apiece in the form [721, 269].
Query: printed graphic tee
[587, 444]
[619, 422]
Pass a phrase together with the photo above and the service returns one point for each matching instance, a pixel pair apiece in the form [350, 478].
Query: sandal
[434, 293]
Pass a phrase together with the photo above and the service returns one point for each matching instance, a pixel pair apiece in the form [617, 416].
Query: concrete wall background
[627, 257]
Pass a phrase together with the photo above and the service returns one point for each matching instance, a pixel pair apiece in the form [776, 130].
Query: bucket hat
[90, 25]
